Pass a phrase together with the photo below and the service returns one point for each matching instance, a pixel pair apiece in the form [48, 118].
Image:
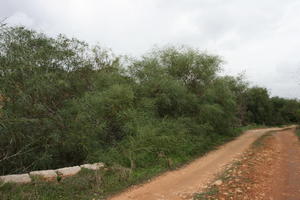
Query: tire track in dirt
[286, 178]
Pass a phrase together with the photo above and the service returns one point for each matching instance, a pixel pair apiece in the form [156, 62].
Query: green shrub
[64, 103]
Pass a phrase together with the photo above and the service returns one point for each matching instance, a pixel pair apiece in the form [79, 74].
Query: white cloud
[20, 18]
[260, 37]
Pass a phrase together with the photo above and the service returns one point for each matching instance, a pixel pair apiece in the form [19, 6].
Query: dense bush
[63, 103]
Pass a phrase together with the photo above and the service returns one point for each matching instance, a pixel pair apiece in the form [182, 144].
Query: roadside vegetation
[64, 103]
[298, 132]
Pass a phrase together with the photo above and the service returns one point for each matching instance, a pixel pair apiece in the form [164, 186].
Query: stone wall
[49, 175]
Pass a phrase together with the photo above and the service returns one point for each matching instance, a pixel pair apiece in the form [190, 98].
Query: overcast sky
[258, 37]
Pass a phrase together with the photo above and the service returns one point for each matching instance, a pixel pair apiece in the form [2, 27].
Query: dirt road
[183, 183]
[285, 181]
[269, 170]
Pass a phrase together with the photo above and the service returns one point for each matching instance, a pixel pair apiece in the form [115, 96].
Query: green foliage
[298, 132]
[258, 105]
[261, 109]
[64, 103]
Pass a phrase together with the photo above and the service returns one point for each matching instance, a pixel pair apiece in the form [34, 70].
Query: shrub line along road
[184, 182]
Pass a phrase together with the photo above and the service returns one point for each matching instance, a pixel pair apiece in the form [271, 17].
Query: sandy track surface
[270, 170]
[285, 181]
[183, 183]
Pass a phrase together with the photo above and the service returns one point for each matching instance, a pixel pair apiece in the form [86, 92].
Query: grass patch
[210, 192]
[87, 184]
[260, 141]
[298, 132]
[251, 126]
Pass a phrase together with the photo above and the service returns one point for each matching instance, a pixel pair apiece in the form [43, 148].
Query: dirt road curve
[183, 183]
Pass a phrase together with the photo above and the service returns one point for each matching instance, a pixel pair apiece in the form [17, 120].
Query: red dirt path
[286, 177]
[268, 171]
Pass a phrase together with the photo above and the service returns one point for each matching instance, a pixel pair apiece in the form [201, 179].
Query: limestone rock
[68, 171]
[238, 190]
[218, 183]
[16, 178]
[94, 166]
[45, 174]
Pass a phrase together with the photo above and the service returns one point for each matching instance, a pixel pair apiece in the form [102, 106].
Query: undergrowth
[298, 132]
